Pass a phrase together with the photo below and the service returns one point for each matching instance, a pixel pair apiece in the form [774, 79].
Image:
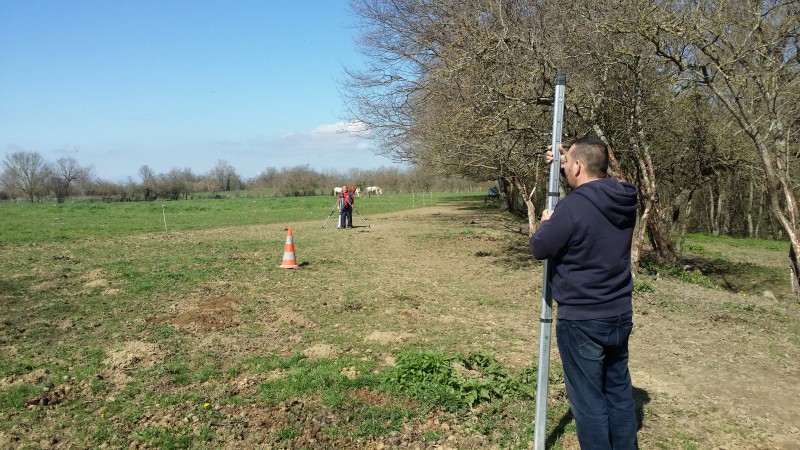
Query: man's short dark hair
[593, 153]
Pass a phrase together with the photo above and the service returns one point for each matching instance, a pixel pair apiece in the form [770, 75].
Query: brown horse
[355, 189]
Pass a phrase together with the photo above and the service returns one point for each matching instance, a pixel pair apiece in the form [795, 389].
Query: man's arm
[553, 233]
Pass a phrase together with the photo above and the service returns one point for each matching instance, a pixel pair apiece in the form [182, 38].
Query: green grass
[76, 219]
[168, 438]
[14, 397]
[322, 378]
[702, 266]
[759, 244]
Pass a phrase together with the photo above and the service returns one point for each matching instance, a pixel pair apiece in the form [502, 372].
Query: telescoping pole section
[546, 318]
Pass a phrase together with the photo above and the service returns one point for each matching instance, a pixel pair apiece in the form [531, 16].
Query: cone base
[289, 266]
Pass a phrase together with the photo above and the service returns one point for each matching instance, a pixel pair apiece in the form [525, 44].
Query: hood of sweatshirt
[615, 200]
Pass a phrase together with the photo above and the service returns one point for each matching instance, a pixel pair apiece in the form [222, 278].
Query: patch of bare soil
[318, 351]
[711, 375]
[210, 314]
[131, 357]
[97, 278]
[288, 316]
[388, 337]
[34, 377]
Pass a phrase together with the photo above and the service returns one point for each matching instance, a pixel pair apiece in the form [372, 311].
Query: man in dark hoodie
[587, 237]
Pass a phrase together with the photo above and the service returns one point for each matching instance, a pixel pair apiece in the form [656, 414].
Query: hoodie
[588, 240]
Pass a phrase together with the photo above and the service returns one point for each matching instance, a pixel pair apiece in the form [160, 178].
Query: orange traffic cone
[289, 261]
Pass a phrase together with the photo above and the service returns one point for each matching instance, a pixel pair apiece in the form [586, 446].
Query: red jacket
[345, 200]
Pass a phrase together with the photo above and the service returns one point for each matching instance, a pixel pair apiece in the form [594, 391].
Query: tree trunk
[505, 194]
[528, 199]
[712, 214]
[638, 241]
[655, 223]
[793, 269]
[683, 222]
[718, 219]
[760, 213]
[749, 212]
[778, 180]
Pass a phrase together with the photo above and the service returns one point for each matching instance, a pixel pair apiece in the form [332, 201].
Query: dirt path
[713, 368]
[714, 374]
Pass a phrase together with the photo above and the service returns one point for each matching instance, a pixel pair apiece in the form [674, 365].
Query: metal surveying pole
[546, 319]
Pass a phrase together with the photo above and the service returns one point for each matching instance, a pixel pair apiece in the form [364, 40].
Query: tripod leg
[329, 218]
[359, 215]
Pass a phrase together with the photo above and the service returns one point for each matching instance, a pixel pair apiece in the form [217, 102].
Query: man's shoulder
[573, 200]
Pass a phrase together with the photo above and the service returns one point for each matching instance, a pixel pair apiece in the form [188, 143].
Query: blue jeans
[346, 218]
[595, 358]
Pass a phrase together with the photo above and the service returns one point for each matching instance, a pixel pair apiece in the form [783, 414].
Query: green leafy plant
[642, 287]
[452, 382]
[686, 274]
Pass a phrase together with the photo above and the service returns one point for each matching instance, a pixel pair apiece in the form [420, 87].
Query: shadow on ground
[640, 396]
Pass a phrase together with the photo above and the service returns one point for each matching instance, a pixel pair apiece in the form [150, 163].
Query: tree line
[29, 176]
[698, 102]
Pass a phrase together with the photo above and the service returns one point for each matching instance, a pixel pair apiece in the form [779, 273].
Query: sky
[177, 83]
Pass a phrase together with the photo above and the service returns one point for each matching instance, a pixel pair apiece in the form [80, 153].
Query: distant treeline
[28, 176]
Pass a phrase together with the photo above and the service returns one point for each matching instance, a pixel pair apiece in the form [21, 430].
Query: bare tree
[297, 181]
[148, 177]
[66, 172]
[225, 176]
[745, 55]
[26, 173]
[452, 85]
[177, 183]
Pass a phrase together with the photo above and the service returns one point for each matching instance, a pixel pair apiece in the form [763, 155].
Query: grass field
[417, 329]
[45, 222]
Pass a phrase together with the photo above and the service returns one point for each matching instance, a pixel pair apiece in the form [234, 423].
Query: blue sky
[169, 83]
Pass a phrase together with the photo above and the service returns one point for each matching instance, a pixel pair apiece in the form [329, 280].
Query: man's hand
[546, 214]
[549, 155]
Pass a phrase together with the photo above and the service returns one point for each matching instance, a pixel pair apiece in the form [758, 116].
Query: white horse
[375, 189]
[356, 190]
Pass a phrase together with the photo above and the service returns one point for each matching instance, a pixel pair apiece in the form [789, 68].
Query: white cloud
[351, 127]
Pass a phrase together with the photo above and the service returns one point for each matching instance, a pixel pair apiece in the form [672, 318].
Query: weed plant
[452, 382]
